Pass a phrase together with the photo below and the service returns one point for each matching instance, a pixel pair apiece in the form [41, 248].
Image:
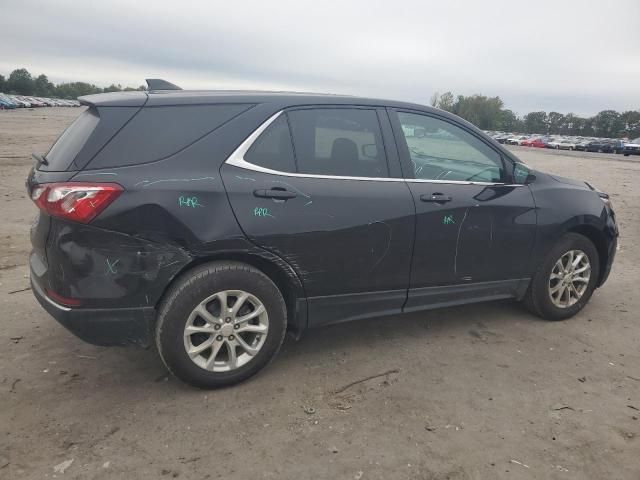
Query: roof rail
[159, 84]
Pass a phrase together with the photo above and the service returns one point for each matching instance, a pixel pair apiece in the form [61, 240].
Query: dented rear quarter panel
[172, 214]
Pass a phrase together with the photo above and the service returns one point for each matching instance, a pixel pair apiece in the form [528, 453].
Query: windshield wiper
[40, 160]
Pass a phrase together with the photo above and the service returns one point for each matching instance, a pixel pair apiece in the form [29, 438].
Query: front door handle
[276, 193]
[436, 198]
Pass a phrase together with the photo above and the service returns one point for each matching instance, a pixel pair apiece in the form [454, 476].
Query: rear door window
[338, 142]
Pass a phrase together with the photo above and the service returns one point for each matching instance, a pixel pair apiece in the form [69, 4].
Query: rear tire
[546, 294]
[210, 305]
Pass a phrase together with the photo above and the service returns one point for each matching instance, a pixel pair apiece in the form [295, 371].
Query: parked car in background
[36, 103]
[618, 146]
[4, 105]
[563, 144]
[6, 102]
[632, 147]
[582, 143]
[517, 140]
[553, 141]
[502, 138]
[600, 145]
[21, 101]
[538, 142]
[210, 223]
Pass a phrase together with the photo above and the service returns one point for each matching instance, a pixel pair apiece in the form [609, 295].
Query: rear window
[159, 132]
[64, 151]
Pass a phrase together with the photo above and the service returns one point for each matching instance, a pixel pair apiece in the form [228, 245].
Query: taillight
[69, 302]
[79, 202]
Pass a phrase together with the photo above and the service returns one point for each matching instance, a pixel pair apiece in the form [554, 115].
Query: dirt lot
[476, 392]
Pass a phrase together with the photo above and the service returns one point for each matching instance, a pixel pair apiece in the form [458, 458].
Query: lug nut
[228, 319]
[231, 337]
[219, 338]
[235, 327]
[216, 327]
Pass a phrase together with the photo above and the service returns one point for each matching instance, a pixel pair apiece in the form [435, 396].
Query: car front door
[475, 227]
[322, 188]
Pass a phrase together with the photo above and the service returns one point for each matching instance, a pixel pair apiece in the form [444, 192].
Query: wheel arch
[278, 271]
[599, 240]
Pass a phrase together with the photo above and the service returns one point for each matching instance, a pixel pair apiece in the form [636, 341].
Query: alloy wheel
[226, 330]
[569, 278]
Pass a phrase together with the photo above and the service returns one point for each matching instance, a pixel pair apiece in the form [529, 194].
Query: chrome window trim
[237, 160]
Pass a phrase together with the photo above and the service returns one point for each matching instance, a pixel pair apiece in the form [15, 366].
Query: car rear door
[321, 188]
[474, 227]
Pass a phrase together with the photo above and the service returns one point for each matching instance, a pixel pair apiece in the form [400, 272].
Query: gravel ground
[474, 392]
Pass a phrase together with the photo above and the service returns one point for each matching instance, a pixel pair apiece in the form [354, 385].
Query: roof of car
[203, 97]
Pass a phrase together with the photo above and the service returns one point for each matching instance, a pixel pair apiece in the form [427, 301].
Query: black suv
[212, 222]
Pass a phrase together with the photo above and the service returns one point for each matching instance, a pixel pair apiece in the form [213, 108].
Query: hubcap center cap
[227, 329]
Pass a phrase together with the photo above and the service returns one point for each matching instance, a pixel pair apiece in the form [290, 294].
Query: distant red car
[534, 142]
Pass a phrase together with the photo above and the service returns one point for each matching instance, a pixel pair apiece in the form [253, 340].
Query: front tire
[220, 324]
[565, 281]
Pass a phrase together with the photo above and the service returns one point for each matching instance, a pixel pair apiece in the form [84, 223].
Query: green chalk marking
[262, 212]
[448, 220]
[189, 202]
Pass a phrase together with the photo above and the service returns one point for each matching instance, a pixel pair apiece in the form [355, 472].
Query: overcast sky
[569, 56]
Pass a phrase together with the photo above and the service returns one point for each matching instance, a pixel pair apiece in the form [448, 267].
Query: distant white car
[632, 147]
[26, 100]
[20, 101]
[46, 101]
[517, 140]
[562, 144]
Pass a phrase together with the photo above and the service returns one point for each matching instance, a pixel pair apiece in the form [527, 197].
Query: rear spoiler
[115, 99]
[126, 99]
[159, 84]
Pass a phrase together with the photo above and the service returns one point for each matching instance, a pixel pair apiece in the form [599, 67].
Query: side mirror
[522, 174]
[369, 150]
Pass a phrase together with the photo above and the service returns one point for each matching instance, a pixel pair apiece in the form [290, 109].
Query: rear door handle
[277, 193]
[436, 198]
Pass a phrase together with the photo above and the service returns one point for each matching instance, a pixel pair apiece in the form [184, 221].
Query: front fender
[564, 207]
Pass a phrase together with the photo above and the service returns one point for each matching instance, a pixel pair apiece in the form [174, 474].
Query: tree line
[21, 82]
[488, 113]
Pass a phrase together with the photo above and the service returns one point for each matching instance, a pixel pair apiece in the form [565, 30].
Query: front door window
[440, 150]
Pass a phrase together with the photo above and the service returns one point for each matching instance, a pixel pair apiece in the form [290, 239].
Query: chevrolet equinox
[209, 223]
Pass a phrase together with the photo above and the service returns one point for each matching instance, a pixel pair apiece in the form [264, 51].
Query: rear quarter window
[159, 132]
[273, 149]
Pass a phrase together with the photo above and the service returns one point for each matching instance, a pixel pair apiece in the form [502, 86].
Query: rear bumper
[104, 327]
